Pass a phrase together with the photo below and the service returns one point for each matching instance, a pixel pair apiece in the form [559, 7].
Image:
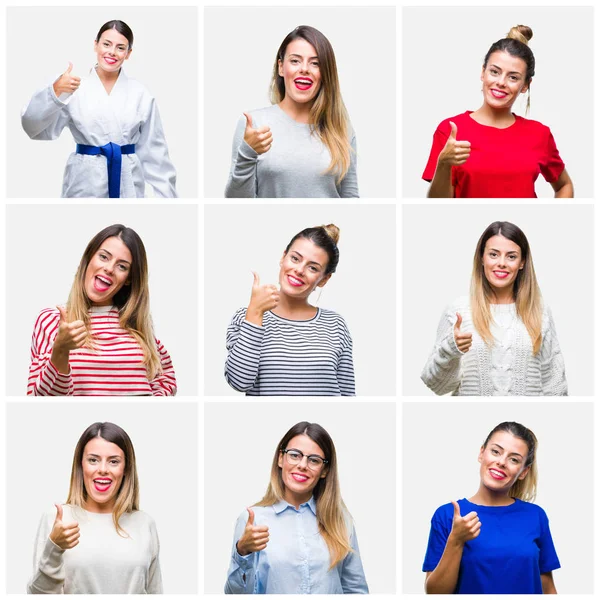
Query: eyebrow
[98, 456]
[300, 56]
[510, 72]
[307, 455]
[108, 252]
[314, 262]
[501, 448]
[507, 252]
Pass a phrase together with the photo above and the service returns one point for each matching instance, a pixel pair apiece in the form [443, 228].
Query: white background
[444, 48]
[44, 246]
[239, 239]
[438, 245]
[40, 454]
[441, 443]
[240, 46]
[41, 41]
[243, 447]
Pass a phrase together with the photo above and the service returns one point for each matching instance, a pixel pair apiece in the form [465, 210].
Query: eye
[314, 461]
[103, 256]
[295, 455]
[294, 258]
[123, 268]
[314, 269]
[294, 61]
[515, 461]
[494, 451]
[92, 460]
[493, 254]
[315, 64]
[115, 462]
[494, 71]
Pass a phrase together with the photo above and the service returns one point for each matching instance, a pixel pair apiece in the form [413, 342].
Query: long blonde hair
[128, 495]
[330, 506]
[328, 114]
[132, 301]
[526, 292]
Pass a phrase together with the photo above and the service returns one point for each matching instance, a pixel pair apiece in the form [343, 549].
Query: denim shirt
[296, 559]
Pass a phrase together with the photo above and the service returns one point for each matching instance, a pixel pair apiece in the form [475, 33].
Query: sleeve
[552, 165]
[242, 576]
[45, 116]
[554, 381]
[353, 575]
[438, 536]
[548, 557]
[440, 137]
[44, 378]
[442, 372]
[349, 185]
[244, 343]
[155, 585]
[165, 383]
[242, 175]
[48, 565]
[345, 368]
[151, 149]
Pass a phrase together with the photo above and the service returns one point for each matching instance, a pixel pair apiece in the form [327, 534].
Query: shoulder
[140, 519]
[261, 513]
[47, 316]
[462, 303]
[239, 316]
[139, 88]
[330, 316]
[458, 120]
[261, 116]
[444, 513]
[531, 509]
[532, 127]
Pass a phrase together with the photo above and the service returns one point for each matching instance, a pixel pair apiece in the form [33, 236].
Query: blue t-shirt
[513, 549]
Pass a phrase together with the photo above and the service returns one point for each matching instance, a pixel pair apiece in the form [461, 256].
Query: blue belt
[113, 162]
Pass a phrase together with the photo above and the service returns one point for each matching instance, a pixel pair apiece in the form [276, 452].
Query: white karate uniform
[128, 115]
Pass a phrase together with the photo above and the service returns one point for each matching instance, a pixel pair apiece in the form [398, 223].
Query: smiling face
[502, 260]
[300, 71]
[503, 462]
[302, 268]
[108, 271]
[103, 465]
[112, 49]
[300, 480]
[503, 80]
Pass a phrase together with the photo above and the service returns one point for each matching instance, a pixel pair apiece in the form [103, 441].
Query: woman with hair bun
[280, 345]
[302, 146]
[300, 538]
[501, 340]
[491, 152]
[497, 541]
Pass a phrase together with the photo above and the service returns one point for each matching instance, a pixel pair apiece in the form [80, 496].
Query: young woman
[302, 146]
[283, 346]
[497, 541]
[99, 542]
[300, 538]
[114, 121]
[102, 342]
[491, 152]
[501, 340]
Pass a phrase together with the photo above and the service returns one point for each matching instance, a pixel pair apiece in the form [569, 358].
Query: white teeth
[106, 281]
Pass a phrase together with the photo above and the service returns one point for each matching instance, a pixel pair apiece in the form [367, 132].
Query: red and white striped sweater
[113, 368]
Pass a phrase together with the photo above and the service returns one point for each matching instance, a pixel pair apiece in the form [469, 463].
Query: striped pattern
[290, 358]
[113, 368]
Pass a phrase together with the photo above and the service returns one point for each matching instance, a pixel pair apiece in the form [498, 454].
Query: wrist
[241, 550]
[455, 542]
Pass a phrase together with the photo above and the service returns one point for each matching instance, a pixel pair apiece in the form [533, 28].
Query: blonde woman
[302, 146]
[102, 342]
[500, 341]
[99, 542]
[300, 538]
[497, 541]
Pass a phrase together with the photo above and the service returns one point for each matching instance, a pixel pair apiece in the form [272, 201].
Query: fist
[66, 83]
[64, 535]
[463, 340]
[464, 528]
[264, 297]
[454, 153]
[261, 139]
[70, 335]
[254, 538]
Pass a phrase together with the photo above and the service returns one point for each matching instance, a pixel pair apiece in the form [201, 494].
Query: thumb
[248, 121]
[250, 516]
[453, 131]
[63, 315]
[59, 512]
[256, 281]
[458, 321]
[69, 69]
[456, 509]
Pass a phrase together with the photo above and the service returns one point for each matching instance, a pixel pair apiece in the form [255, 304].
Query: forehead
[112, 35]
[501, 243]
[310, 251]
[102, 447]
[117, 248]
[305, 445]
[509, 442]
[300, 47]
[507, 62]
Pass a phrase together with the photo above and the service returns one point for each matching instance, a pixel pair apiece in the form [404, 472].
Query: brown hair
[325, 237]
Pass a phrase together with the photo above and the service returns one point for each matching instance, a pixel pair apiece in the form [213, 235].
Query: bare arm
[563, 186]
[441, 184]
[548, 586]
[443, 579]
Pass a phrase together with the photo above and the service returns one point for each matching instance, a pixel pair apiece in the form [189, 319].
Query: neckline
[485, 507]
[470, 112]
[102, 309]
[290, 119]
[298, 321]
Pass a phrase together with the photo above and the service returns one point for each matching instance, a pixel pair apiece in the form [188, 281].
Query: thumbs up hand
[70, 335]
[254, 538]
[264, 297]
[261, 139]
[454, 153]
[464, 528]
[66, 83]
[64, 535]
[463, 340]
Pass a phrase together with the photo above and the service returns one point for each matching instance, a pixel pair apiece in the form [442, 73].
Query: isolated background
[238, 453]
[40, 43]
[239, 239]
[440, 446]
[44, 246]
[240, 45]
[443, 52]
[438, 246]
[40, 441]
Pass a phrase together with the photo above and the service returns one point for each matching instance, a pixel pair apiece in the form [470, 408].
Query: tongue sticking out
[100, 285]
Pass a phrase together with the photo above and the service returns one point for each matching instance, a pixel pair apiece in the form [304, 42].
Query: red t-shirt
[504, 163]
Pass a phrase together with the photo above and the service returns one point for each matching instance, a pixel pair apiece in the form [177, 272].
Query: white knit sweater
[448, 370]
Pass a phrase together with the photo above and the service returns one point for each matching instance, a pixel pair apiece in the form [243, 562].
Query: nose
[103, 467]
[109, 267]
[303, 464]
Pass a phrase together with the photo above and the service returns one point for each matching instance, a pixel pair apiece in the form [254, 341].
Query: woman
[300, 538]
[508, 151]
[302, 146]
[501, 341]
[497, 541]
[118, 553]
[102, 343]
[115, 123]
[283, 346]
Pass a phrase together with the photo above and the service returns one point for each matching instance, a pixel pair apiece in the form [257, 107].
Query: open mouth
[109, 60]
[101, 284]
[498, 94]
[299, 478]
[497, 474]
[303, 83]
[501, 274]
[102, 485]
[294, 281]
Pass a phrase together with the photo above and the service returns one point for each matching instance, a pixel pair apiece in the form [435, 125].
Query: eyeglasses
[313, 461]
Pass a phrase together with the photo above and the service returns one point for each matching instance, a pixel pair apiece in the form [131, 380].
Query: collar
[282, 505]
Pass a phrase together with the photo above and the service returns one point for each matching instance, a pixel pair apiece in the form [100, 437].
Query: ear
[129, 53]
[324, 474]
[324, 280]
[524, 88]
[481, 451]
[280, 64]
[280, 460]
[128, 282]
[281, 259]
[482, 73]
[523, 473]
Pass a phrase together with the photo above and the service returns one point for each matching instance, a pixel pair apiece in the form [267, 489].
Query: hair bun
[333, 231]
[521, 33]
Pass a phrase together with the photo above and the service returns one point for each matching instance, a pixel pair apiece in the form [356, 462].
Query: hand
[454, 153]
[64, 535]
[261, 139]
[463, 340]
[66, 83]
[464, 529]
[70, 335]
[254, 538]
[263, 298]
